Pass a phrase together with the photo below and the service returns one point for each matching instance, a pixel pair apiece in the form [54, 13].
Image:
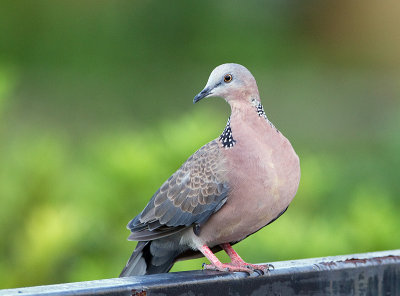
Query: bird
[227, 190]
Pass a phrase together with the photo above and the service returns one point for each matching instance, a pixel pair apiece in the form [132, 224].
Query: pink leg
[236, 260]
[218, 265]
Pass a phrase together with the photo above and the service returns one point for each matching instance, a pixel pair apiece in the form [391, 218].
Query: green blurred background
[96, 112]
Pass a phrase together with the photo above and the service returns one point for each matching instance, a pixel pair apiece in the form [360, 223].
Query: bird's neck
[242, 114]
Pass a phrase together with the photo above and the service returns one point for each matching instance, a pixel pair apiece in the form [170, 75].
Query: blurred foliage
[95, 113]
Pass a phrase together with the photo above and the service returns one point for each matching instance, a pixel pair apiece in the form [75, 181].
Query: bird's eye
[228, 78]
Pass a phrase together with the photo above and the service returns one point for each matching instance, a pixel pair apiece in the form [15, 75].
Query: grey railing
[372, 274]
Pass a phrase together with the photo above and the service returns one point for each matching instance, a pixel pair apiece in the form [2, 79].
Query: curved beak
[204, 93]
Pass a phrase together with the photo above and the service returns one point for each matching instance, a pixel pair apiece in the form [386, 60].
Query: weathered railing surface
[373, 274]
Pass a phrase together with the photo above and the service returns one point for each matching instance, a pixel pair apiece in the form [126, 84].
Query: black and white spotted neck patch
[226, 138]
[261, 112]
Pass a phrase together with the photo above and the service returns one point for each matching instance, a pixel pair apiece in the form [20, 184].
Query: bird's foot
[236, 260]
[245, 267]
[264, 268]
[227, 267]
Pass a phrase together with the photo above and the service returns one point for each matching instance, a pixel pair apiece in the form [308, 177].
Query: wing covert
[190, 196]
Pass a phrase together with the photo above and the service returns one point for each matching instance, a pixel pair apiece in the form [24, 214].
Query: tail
[150, 257]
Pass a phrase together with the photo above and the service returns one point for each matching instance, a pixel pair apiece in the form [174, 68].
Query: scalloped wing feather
[190, 196]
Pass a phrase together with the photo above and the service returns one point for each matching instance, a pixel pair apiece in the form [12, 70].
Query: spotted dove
[227, 190]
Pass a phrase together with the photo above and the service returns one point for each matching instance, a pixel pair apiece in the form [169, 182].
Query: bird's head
[233, 82]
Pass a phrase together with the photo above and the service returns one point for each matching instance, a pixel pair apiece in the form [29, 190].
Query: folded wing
[190, 196]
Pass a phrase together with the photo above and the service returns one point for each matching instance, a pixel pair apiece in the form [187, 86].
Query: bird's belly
[234, 224]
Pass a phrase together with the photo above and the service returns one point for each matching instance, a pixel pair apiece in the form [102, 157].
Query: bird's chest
[255, 162]
[257, 178]
[264, 177]
[263, 173]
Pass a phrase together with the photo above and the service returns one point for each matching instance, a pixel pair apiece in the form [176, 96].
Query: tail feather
[136, 264]
[150, 257]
